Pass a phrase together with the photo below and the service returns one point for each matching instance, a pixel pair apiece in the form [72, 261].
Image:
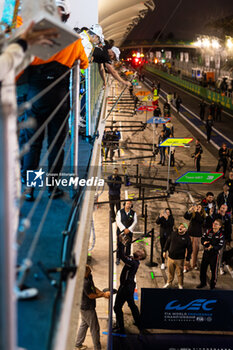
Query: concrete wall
[83, 13]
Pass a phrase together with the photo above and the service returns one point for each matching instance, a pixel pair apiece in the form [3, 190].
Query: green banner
[196, 89]
[195, 177]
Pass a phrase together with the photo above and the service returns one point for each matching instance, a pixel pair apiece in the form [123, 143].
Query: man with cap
[176, 244]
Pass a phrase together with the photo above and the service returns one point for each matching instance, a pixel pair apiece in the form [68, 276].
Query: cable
[172, 14]
[25, 148]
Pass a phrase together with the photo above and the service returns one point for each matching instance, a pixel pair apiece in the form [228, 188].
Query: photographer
[196, 214]
[213, 241]
[126, 289]
[166, 222]
[197, 155]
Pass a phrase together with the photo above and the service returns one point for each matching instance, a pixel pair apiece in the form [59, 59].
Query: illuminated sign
[176, 142]
[196, 177]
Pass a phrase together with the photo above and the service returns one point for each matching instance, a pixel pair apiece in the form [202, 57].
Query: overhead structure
[118, 18]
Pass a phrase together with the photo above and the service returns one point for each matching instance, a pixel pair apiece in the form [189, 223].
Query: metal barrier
[90, 112]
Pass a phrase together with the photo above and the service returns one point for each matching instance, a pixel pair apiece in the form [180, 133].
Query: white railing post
[8, 223]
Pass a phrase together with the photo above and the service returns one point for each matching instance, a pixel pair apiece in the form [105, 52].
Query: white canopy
[118, 17]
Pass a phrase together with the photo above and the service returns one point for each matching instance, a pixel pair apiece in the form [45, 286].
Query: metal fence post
[143, 201]
[8, 143]
[75, 119]
[88, 101]
[145, 222]
[110, 281]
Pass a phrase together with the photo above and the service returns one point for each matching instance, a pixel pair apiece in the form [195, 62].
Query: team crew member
[40, 75]
[202, 109]
[104, 56]
[225, 197]
[126, 221]
[91, 37]
[213, 241]
[126, 289]
[176, 244]
[229, 182]
[226, 230]
[166, 222]
[223, 154]
[197, 155]
[114, 194]
[208, 203]
[88, 312]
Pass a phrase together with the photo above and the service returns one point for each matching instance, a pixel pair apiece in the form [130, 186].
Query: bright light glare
[215, 44]
[229, 43]
[206, 43]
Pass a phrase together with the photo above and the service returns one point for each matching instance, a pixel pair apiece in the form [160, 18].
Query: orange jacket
[67, 56]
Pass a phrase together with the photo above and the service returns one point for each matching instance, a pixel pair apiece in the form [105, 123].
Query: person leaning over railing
[104, 56]
[39, 75]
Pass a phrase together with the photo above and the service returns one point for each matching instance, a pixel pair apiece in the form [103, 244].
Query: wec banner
[187, 309]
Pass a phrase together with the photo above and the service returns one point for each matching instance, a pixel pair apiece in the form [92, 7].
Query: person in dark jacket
[197, 155]
[117, 138]
[208, 203]
[223, 154]
[176, 244]
[162, 137]
[218, 112]
[126, 221]
[226, 230]
[213, 241]
[229, 182]
[196, 214]
[202, 109]
[212, 110]
[225, 197]
[178, 103]
[166, 222]
[126, 289]
[114, 193]
[157, 113]
[209, 125]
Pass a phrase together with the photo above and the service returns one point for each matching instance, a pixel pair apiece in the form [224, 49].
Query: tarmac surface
[179, 202]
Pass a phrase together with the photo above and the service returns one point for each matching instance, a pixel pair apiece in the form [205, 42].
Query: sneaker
[201, 285]
[117, 261]
[195, 268]
[185, 270]
[180, 286]
[222, 272]
[162, 266]
[56, 194]
[167, 285]
[80, 347]
[26, 293]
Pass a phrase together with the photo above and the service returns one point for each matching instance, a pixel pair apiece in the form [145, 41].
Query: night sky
[190, 19]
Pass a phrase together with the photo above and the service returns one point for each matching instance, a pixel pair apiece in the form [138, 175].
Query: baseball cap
[65, 4]
[184, 224]
[117, 52]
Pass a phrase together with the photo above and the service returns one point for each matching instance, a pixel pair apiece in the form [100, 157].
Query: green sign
[196, 177]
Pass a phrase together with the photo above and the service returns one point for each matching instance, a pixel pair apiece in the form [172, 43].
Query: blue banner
[187, 309]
